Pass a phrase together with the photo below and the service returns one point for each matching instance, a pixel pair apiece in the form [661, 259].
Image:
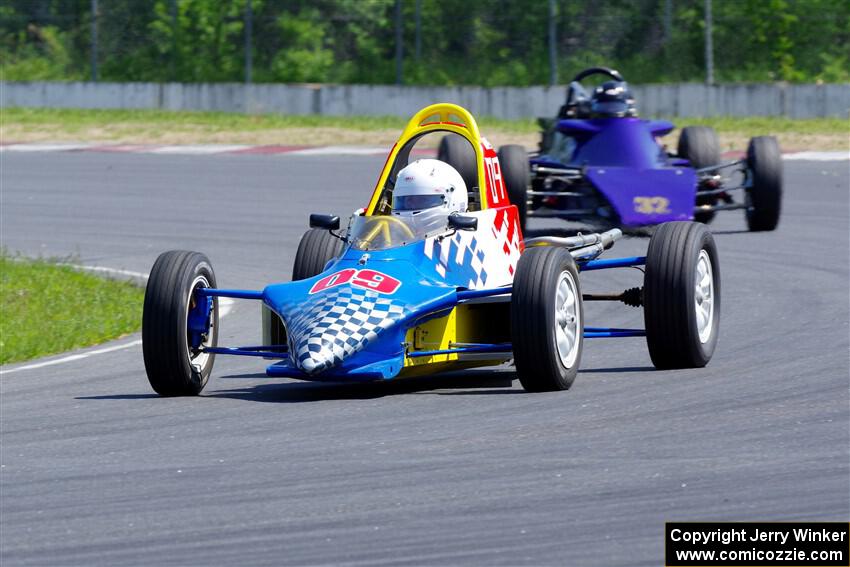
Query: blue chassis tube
[612, 263]
[589, 332]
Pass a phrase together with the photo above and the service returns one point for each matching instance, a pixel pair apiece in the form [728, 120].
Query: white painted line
[44, 147]
[818, 156]
[225, 304]
[198, 149]
[339, 150]
[71, 357]
[188, 149]
[111, 271]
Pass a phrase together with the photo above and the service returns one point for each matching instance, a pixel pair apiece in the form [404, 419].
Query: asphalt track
[465, 469]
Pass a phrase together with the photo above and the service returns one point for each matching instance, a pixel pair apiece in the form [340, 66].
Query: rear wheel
[177, 323]
[457, 152]
[513, 160]
[764, 161]
[546, 319]
[700, 146]
[681, 296]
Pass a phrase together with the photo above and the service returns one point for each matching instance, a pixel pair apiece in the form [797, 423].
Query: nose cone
[314, 366]
[317, 358]
[336, 324]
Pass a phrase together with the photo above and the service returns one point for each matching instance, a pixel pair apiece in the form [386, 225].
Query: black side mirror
[461, 222]
[328, 222]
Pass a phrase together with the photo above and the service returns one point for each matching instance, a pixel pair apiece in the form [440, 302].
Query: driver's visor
[417, 202]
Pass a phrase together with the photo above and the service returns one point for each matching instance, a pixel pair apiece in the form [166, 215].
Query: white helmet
[429, 185]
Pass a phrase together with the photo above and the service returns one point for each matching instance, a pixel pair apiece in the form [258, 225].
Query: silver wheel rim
[704, 296]
[567, 319]
[198, 360]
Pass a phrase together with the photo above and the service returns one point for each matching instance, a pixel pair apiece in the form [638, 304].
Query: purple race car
[601, 165]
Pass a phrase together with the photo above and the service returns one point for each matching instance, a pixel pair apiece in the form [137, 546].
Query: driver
[612, 99]
[426, 192]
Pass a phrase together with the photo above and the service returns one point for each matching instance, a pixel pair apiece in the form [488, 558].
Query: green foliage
[835, 69]
[485, 42]
[306, 58]
[36, 54]
[47, 308]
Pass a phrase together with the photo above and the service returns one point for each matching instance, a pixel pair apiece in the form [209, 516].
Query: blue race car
[434, 275]
[599, 164]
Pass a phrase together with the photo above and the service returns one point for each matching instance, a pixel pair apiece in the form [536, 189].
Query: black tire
[539, 365]
[317, 248]
[547, 132]
[516, 174]
[172, 368]
[670, 299]
[764, 161]
[700, 146]
[458, 153]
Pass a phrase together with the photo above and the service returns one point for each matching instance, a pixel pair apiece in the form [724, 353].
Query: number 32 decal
[366, 279]
[652, 205]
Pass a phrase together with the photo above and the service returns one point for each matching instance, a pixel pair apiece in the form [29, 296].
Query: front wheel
[764, 163]
[177, 324]
[546, 319]
[681, 296]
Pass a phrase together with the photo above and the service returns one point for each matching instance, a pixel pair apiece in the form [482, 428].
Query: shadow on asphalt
[473, 382]
[119, 397]
[469, 382]
[742, 231]
[616, 370]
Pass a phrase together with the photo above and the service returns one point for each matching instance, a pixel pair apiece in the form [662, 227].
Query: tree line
[443, 42]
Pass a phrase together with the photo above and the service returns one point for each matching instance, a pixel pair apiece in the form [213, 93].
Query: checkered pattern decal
[338, 323]
[481, 259]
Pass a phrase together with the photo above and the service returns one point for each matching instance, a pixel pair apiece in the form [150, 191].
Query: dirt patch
[131, 133]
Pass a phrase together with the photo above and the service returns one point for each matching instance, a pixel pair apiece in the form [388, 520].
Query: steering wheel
[382, 225]
[391, 219]
[614, 74]
[577, 104]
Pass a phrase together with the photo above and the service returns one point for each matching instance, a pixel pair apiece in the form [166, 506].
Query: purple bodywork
[623, 160]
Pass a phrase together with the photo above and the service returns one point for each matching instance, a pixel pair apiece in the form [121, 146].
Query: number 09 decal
[366, 279]
[652, 205]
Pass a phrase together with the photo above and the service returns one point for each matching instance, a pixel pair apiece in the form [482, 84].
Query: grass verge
[46, 308]
[161, 127]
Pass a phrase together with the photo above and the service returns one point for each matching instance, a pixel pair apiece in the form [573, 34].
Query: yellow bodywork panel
[441, 117]
[466, 323]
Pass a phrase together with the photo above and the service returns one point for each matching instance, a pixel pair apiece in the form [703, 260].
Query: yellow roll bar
[445, 117]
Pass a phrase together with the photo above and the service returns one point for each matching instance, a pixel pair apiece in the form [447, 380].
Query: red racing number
[370, 279]
[366, 279]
